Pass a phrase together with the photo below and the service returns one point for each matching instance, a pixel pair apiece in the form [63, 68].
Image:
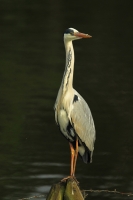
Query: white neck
[67, 81]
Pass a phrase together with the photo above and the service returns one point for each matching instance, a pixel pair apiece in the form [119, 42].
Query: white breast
[62, 118]
[63, 121]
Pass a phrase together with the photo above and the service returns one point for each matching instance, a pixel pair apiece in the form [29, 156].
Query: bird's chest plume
[63, 119]
[64, 124]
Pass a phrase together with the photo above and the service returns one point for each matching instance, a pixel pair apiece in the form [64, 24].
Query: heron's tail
[87, 157]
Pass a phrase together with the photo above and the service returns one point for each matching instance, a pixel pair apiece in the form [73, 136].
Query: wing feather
[81, 118]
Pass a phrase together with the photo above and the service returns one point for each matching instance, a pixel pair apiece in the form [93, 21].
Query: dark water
[33, 154]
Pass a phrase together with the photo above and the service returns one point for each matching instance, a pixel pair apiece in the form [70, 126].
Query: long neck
[67, 81]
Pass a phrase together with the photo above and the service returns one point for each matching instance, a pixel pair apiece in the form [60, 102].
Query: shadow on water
[34, 155]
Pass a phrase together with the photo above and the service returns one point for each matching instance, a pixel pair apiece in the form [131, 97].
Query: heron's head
[72, 34]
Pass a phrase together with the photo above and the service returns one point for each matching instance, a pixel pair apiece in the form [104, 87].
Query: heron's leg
[74, 154]
[75, 158]
[72, 159]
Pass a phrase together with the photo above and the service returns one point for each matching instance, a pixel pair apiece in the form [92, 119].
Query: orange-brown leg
[74, 154]
[72, 159]
[72, 163]
[75, 158]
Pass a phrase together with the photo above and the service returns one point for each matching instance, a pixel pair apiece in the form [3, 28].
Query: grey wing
[82, 121]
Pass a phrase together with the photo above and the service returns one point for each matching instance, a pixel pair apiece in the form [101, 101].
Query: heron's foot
[66, 178]
[70, 177]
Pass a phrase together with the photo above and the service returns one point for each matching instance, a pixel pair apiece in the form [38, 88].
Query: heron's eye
[72, 32]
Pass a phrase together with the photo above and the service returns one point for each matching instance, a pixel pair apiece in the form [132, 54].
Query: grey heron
[72, 114]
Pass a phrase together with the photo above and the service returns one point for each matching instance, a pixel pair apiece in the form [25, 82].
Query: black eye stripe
[69, 31]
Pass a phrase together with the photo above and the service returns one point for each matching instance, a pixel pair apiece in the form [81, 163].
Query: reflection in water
[34, 155]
